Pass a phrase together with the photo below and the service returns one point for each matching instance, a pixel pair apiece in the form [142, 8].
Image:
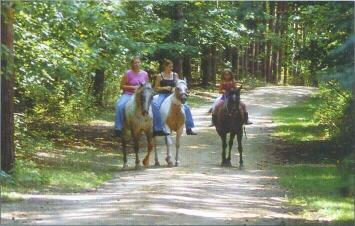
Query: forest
[62, 62]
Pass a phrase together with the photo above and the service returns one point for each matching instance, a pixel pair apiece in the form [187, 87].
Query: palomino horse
[138, 119]
[173, 116]
[228, 118]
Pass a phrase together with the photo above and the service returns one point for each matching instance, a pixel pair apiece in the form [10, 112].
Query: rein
[228, 112]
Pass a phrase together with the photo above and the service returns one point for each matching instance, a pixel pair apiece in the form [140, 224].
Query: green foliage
[317, 188]
[331, 111]
[43, 165]
[4, 177]
[319, 118]
[297, 123]
[27, 174]
[60, 45]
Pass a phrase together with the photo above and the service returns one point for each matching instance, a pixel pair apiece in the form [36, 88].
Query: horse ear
[241, 86]
[185, 79]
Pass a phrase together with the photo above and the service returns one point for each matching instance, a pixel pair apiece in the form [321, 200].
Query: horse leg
[156, 153]
[240, 147]
[168, 157]
[124, 145]
[177, 145]
[224, 146]
[149, 136]
[231, 139]
[136, 149]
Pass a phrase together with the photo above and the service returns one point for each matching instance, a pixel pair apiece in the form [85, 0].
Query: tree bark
[99, 82]
[234, 61]
[214, 58]
[257, 61]
[176, 34]
[7, 87]
[285, 52]
[186, 69]
[206, 66]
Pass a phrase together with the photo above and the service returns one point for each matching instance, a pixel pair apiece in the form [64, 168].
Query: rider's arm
[126, 86]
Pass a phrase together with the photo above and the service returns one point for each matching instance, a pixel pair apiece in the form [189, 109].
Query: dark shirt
[167, 82]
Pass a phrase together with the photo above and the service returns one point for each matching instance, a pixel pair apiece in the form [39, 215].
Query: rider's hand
[168, 88]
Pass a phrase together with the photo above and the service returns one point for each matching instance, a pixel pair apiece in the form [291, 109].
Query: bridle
[230, 112]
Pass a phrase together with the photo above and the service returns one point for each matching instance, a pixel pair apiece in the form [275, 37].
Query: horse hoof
[177, 164]
[224, 163]
[157, 163]
[167, 159]
[170, 164]
[125, 167]
[241, 166]
[228, 163]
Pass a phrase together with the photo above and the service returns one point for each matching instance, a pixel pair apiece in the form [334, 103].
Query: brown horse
[228, 118]
[138, 119]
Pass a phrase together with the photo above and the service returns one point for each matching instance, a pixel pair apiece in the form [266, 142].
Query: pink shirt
[135, 79]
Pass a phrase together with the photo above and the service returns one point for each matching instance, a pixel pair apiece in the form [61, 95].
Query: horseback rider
[227, 84]
[129, 83]
[165, 85]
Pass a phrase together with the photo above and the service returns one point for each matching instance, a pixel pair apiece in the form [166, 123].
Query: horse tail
[245, 133]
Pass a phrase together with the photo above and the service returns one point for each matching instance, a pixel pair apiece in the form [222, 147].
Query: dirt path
[198, 192]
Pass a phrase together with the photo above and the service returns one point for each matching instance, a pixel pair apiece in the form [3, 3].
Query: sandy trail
[198, 192]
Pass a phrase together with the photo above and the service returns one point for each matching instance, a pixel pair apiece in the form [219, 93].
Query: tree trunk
[257, 73]
[7, 87]
[214, 58]
[237, 69]
[99, 82]
[269, 44]
[234, 61]
[281, 32]
[206, 66]
[186, 69]
[285, 52]
[263, 59]
[276, 48]
[176, 34]
[245, 61]
[253, 64]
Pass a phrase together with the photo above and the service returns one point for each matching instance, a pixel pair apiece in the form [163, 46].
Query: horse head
[233, 100]
[145, 94]
[181, 90]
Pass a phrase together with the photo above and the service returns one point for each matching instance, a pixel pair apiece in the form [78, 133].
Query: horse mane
[136, 95]
[179, 81]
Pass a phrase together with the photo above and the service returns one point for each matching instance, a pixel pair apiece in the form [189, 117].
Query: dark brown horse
[228, 118]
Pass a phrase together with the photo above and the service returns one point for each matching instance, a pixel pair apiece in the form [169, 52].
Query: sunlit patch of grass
[317, 188]
[68, 168]
[296, 123]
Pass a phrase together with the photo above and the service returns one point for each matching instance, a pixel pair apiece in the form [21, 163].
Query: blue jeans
[158, 123]
[120, 111]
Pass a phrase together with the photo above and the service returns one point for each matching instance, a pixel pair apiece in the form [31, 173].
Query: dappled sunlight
[217, 194]
[199, 191]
